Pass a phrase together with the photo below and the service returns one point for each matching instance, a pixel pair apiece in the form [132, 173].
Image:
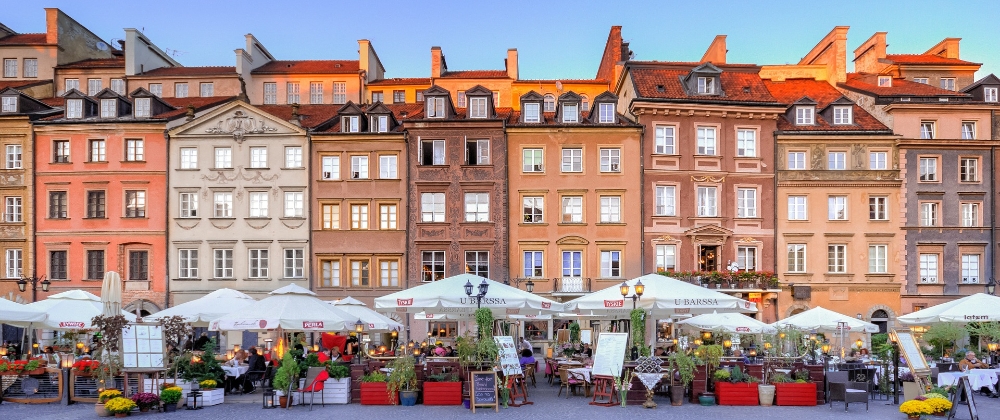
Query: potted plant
[443, 389]
[403, 380]
[710, 357]
[120, 406]
[146, 400]
[85, 367]
[938, 402]
[374, 389]
[798, 391]
[170, 397]
[286, 376]
[735, 388]
[910, 389]
[339, 384]
[914, 409]
[102, 398]
[683, 365]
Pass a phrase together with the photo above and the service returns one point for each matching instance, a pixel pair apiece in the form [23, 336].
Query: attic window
[349, 124]
[607, 113]
[435, 107]
[746, 89]
[804, 115]
[74, 108]
[706, 85]
[477, 107]
[570, 113]
[109, 108]
[379, 123]
[550, 102]
[842, 115]
[142, 107]
[885, 81]
[531, 114]
[660, 88]
[9, 104]
[990, 94]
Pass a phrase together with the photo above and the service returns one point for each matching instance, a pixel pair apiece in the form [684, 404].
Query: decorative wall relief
[239, 125]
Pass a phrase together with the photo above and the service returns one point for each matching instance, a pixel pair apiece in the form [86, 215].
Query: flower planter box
[738, 394]
[374, 393]
[208, 398]
[337, 391]
[442, 393]
[801, 394]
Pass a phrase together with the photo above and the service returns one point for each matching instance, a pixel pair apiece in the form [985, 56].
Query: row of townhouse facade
[867, 192]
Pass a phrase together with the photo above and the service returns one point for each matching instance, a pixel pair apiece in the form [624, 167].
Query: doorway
[708, 258]
[881, 319]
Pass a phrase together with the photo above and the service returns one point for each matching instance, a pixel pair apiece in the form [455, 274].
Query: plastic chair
[316, 386]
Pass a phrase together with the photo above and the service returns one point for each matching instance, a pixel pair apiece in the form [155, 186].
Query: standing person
[201, 342]
[526, 345]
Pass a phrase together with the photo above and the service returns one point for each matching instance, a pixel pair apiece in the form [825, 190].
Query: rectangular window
[968, 170]
[665, 140]
[331, 167]
[223, 158]
[294, 204]
[928, 214]
[534, 264]
[432, 152]
[223, 204]
[666, 200]
[339, 93]
[531, 114]
[533, 209]
[96, 204]
[350, 124]
[206, 90]
[706, 85]
[836, 258]
[532, 160]
[180, 90]
[13, 156]
[13, 210]
[57, 205]
[377, 97]
[477, 107]
[746, 202]
[359, 167]
[928, 169]
[316, 93]
[989, 93]
[797, 207]
[611, 264]
[611, 211]
[607, 113]
[804, 115]
[258, 263]
[836, 161]
[95, 264]
[387, 168]
[74, 108]
[947, 83]
[842, 115]
[878, 208]
[295, 263]
[877, 160]
[399, 96]
[970, 214]
[666, 257]
[420, 95]
[460, 99]
[109, 108]
[611, 160]
[138, 265]
[796, 258]
[837, 207]
[258, 157]
[292, 93]
[223, 263]
[706, 141]
[270, 93]
[927, 129]
[970, 268]
[331, 273]
[435, 107]
[98, 151]
[432, 207]
[477, 207]
[968, 130]
[293, 157]
[923, 80]
[746, 258]
[379, 124]
[572, 209]
[189, 158]
[359, 216]
[570, 113]
[388, 273]
[796, 160]
[387, 216]
[877, 257]
[572, 160]
[572, 264]
[14, 263]
[331, 216]
[477, 152]
[94, 86]
[135, 150]
[189, 205]
[477, 263]
[57, 265]
[187, 263]
[433, 265]
[746, 143]
[928, 268]
[156, 89]
[135, 204]
[30, 67]
[259, 204]
[142, 107]
[9, 104]
[707, 202]
[72, 84]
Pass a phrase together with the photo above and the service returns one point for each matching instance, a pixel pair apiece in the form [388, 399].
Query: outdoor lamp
[394, 334]
[410, 344]
[767, 346]
[79, 345]
[86, 349]
[859, 343]
[468, 288]
[697, 341]
[359, 326]
[3, 351]
[727, 343]
[623, 288]
[381, 349]
[236, 347]
[826, 348]
[22, 285]
[675, 340]
[416, 352]
[66, 361]
[781, 336]
[991, 287]
[429, 333]
[229, 355]
[812, 336]
[753, 352]
[707, 335]
[371, 352]
[529, 286]
[34, 346]
[990, 346]
[315, 348]
[483, 288]
[639, 288]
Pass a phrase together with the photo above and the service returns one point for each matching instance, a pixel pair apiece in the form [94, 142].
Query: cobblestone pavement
[547, 406]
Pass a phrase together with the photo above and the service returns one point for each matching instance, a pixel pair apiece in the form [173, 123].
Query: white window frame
[180, 90]
[533, 209]
[292, 94]
[968, 169]
[10, 67]
[929, 214]
[836, 258]
[206, 89]
[572, 159]
[294, 204]
[928, 169]
[330, 273]
[316, 92]
[259, 203]
[388, 167]
[611, 209]
[885, 81]
[477, 207]
[843, 115]
[878, 160]
[990, 94]
[223, 158]
[968, 130]
[109, 108]
[13, 209]
[706, 85]
[746, 203]
[142, 107]
[359, 167]
[98, 150]
[575, 266]
[222, 263]
[531, 112]
[878, 207]
[330, 168]
[570, 112]
[572, 209]
[339, 93]
[71, 84]
[222, 204]
[388, 273]
[188, 203]
[611, 159]
[293, 157]
[707, 137]
[74, 108]
[798, 207]
[666, 257]
[532, 160]
[878, 259]
[9, 104]
[927, 265]
[707, 204]
[187, 263]
[156, 89]
[837, 207]
[258, 157]
[746, 258]
[606, 112]
[796, 258]
[549, 103]
[746, 142]
[257, 263]
[836, 161]
[805, 115]
[30, 67]
[14, 263]
[971, 268]
[295, 263]
[189, 158]
[14, 156]
[666, 200]
[611, 264]
[270, 93]
[478, 107]
[948, 83]
[970, 214]
[666, 140]
[94, 86]
[927, 131]
[436, 262]
[534, 264]
[794, 162]
[435, 107]
[388, 215]
[432, 207]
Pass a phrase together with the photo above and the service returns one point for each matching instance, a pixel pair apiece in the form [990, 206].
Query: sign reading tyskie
[614, 303]
[404, 302]
[71, 324]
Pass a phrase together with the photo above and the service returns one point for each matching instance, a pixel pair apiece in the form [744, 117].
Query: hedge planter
[801, 394]
[374, 393]
[442, 393]
[737, 394]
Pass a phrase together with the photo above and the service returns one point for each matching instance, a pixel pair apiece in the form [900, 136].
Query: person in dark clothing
[201, 342]
[257, 365]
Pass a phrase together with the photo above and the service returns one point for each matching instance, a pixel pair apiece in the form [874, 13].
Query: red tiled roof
[549, 119]
[309, 67]
[191, 71]
[401, 81]
[24, 39]
[199, 104]
[476, 74]
[57, 101]
[692, 64]
[402, 112]
[929, 59]
[791, 90]
[868, 82]
[737, 86]
[95, 63]
[581, 81]
[21, 84]
[311, 115]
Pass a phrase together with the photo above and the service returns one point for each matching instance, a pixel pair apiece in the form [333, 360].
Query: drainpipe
[406, 253]
[993, 209]
[166, 209]
[642, 194]
[774, 220]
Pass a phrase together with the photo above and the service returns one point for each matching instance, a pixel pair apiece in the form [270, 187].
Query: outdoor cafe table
[584, 373]
[978, 378]
[236, 371]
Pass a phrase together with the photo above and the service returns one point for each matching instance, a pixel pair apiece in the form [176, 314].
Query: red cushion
[322, 356]
[317, 385]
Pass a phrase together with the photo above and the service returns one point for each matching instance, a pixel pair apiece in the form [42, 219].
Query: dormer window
[607, 113]
[990, 94]
[74, 108]
[477, 107]
[531, 114]
[885, 81]
[706, 85]
[142, 107]
[9, 104]
[109, 108]
[435, 107]
[842, 115]
[550, 102]
[805, 115]
[379, 123]
[349, 124]
[570, 113]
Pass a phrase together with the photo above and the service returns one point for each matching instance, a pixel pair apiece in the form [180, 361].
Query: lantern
[826, 348]
[268, 399]
[675, 341]
[371, 352]
[639, 288]
[315, 348]
[707, 335]
[230, 354]
[812, 336]
[416, 352]
[859, 343]
[359, 326]
[381, 349]
[394, 334]
[3, 351]
[727, 343]
[767, 346]
[79, 345]
[697, 341]
[753, 352]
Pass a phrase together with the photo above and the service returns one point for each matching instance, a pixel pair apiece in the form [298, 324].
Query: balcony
[562, 286]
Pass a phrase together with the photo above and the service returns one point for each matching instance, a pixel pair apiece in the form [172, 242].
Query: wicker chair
[849, 392]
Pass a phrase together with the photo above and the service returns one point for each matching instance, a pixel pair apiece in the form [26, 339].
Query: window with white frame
[359, 167]
[387, 216]
[435, 107]
[531, 114]
[477, 263]
[666, 200]
[533, 264]
[706, 141]
[968, 130]
[433, 265]
[706, 85]
[258, 157]
[796, 258]
[927, 129]
[877, 257]
[707, 201]
[387, 167]
[187, 263]
[331, 167]
[13, 210]
[360, 273]
[496, 97]
[477, 152]
[836, 258]
[572, 209]
[797, 207]
[294, 204]
[611, 160]
[836, 161]
[295, 263]
[948, 83]
[74, 108]
[665, 140]
[432, 207]
[258, 263]
[223, 158]
[572, 160]
[928, 169]
[9, 104]
[74, 84]
[666, 257]
[970, 268]
[533, 209]
[223, 204]
[842, 115]
[968, 169]
[928, 214]
[928, 264]
[990, 94]
[109, 108]
[189, 158]
[30, 67]
[339, 92]
[399, 96]
[293, 157]
[379, 124]
[378, 96]
[292, 93]
[331, 216]
[330, 273]
[258, 204]
[611, 211]
[572, 264]
[10, 67]
[606, 113]
[388, 273]
[550, 102]
[270, 93]
[94, 86]
[746, 143]
[350, 124]
[315, 92]
[923, 80]
[805, 115]
[156, 89]
[877, 160]
[223, 263]
[98, 151]
[206, 89]
[885, 81]
[611, 264]
[14, 263]
[970, 214]
[461, 100]
[837, 207]
[432, 152]
[142, 107]
[796, 161]
[746, 202]
[878, 208]
[477, 107]
[180, 90]
[746, 258]
[13, 157]
[188, 204]
[532, 160]
[570, 113]
[477, 207]
[420, 95]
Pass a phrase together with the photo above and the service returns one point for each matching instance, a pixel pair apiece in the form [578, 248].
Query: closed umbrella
[291, 308]
[374, 321]
[979, 307]
[201, 311]
[111, 293]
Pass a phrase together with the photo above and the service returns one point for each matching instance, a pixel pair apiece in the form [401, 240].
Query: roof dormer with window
[604, 109]
[79, 106]
[568, 108]
[145, 104]
[704, 80]
[352, 118]
[112, 104]
[480, 103]
[531, 108]
[437, 103]
[380, 119]
[839, 112]
[986, 89]
[14, 101]
[802, 112]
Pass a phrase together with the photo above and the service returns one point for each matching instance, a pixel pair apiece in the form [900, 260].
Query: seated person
[971, 362]
[526, 357]
[335, 354]
[739, 354]
[587, 351]
[238, 359]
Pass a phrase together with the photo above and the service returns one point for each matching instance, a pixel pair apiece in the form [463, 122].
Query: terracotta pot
[101, 411]
[121, 415]
[285, 401]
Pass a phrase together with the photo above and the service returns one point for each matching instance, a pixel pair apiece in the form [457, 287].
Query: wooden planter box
[442, 393]
[208, 397]
[337, 391]
[374, 393]
[737, 394]
[803, 394]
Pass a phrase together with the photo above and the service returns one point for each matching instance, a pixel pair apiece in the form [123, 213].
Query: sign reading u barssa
[696, 302]
[485, 301]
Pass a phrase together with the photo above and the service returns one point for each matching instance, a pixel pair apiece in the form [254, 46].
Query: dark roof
[401, 112]
[95, 63]
[929, 59]
[180, 105]
[24, 39]
[549, 120]
[191, 71]
[22, 84]
[868, 82]
[990, 80]
[581, 81]
[665, 82]
[309, 67]
[823, 94]
[476, 74]
[401, 81]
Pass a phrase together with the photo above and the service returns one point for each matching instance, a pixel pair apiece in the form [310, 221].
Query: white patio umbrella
[374, 321]
[979, 307]
[663, 296]
[823, 320]
[201, 311]
[16, 312]
[291, 308]
[70, 310]
[729, 322]
[111, 293]
[447, 296]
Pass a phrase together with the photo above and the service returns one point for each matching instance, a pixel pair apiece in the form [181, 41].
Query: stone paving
[547, 406]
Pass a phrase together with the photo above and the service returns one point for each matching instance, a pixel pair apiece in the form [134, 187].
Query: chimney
[830, 52]
[716, 52]
[52, 25]
[867, 56]
[190, 112]
[437, 62]
[296, 118]
[947, 48]
[511, 63]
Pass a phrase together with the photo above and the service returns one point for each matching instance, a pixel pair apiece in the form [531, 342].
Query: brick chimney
[947, 48]
[511, 63]
[867, 56]
[52, 25]
[831, 52]
[437, 62]
[716, 53]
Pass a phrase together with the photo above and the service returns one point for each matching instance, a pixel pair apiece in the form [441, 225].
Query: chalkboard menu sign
[964, 391]
[484, 390]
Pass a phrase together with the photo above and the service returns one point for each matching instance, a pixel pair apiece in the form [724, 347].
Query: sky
[555, 39]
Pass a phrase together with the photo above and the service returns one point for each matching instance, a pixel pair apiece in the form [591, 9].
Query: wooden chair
[529, 373]
[551, 370]
[572, 382]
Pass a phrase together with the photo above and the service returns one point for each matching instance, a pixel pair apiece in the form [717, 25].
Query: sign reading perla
[696, 302]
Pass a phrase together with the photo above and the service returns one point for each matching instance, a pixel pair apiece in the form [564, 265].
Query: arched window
[881, 318]
[550, 102]
[584, 103]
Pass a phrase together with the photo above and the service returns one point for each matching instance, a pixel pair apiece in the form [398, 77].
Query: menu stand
[604, 386]
[518, 390]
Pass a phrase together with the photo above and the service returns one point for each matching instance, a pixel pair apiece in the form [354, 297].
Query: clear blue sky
[555, 39]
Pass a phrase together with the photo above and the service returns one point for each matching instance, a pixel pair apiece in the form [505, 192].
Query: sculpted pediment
[572, 240]
[237, 120]
[708, 230]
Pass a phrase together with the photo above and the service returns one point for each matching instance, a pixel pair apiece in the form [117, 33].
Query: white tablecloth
[978, 378]
[583, 372]
[236, 371]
